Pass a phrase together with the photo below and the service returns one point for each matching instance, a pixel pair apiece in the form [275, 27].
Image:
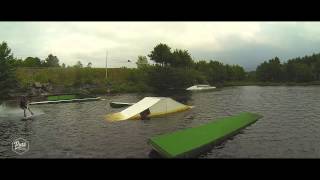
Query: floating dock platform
[66, 101]
[62, 97]
[192, 142]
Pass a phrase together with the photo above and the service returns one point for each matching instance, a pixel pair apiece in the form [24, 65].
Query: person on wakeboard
[25, 105]
[144, 115]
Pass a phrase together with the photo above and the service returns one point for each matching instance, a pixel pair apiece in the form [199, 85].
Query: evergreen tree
[7, 77]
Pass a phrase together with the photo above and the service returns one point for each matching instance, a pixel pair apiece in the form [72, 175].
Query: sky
[244, 43]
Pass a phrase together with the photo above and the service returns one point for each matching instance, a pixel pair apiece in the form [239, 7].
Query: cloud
[285, 40]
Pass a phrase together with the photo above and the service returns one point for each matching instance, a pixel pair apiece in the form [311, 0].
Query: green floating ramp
[192, 141]
[61, 97]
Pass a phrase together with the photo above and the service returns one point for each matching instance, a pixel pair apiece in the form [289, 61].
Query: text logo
[20, 146]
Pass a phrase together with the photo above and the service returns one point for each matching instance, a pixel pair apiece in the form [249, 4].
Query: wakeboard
[27, 118]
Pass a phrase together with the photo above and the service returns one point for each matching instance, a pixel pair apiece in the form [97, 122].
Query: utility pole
[107, 64]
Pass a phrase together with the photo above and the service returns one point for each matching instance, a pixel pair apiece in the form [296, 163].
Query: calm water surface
[290, 127]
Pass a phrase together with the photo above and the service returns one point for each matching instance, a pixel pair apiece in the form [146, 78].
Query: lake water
[290, 127]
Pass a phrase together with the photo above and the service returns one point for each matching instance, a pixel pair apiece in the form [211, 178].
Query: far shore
[102, 91]
[253, 83]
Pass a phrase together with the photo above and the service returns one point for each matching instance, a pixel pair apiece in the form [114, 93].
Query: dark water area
[290, 127]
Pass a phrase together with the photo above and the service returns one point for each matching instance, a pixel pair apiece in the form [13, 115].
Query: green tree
[17, 63]
[317, 69]
[32, 62]
[270, 71]
[251, 76]
[181, 58]
[239, 73]
[201, 66]
[218, 73]
[51, 61]
[89, 65]
[7, 77]
[161, 54]
[142, 62]
[303, 72]
[78, 65]
[298, 71]
[290, 70]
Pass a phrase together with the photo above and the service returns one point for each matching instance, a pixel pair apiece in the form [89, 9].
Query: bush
[165, 78]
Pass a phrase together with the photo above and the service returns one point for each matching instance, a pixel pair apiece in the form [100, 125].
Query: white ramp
[157, 105]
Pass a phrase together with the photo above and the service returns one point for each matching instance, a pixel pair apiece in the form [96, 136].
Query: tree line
[9, 64]
[176, 69]
[300, 69]
[50, 61]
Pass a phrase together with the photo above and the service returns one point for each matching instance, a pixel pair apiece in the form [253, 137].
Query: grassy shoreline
[131, 88]
[92, 81]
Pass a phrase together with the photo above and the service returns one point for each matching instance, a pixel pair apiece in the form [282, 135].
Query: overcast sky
[244, 43]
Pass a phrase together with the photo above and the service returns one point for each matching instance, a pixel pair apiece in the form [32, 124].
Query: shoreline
[313, 83]
[98, 91]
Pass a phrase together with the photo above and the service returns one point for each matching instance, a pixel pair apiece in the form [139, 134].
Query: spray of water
[14, 111]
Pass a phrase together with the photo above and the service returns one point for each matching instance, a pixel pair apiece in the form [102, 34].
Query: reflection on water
[290, 126]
